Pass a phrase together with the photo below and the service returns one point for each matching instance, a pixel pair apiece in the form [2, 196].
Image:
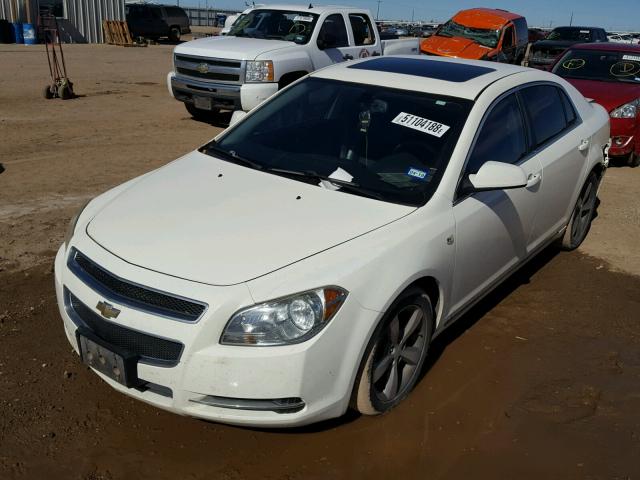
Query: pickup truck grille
[220, 70]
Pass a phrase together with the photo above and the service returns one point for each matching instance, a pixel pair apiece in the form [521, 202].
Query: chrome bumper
[223, 95]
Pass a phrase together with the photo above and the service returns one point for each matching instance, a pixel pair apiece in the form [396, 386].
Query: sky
[610, 14]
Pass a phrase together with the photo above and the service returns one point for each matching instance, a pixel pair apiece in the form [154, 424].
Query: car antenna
[310, 6]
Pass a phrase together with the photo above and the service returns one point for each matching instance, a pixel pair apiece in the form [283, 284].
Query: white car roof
[437, 75]
[319, 9]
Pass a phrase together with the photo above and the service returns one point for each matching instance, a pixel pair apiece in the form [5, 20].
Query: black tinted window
[175, 12]
[502, 137]
[545, 110]
[569, 111]
[333, 33]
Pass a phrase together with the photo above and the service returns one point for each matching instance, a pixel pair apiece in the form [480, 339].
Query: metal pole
[378, 12]
[571, 20]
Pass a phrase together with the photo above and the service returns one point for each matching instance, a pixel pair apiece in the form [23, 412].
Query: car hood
[215, 222]
[454, 47]
[232, 48]
[608, 94]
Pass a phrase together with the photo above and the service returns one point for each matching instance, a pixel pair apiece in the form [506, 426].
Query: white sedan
[302, 262]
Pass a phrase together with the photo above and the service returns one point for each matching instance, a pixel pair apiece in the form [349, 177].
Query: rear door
[493, 228]
[561, 144]
[364, 37]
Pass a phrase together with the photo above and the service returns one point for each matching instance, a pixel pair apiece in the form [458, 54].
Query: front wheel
[174, 34]
[395, 355]
[582, 215]
[633, 160]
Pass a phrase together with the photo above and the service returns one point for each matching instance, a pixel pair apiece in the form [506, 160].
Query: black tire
[582, 215]
[201, 115]
[174, 34]
[633, 160]
[65, 92]
[399, 351]
[47, 93]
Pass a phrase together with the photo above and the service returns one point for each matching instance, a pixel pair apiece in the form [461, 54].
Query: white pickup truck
[271, 47]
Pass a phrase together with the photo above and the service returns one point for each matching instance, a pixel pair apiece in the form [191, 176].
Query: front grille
[213, 63]
[147, 347]
[225, 77]
[133, 295]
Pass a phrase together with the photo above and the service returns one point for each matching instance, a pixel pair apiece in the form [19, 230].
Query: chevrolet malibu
[302, 262]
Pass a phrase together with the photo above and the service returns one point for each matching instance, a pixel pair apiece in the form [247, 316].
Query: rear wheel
[174, 34]
[395, 355]
[582, 215]
[47, 93]
[202, 115]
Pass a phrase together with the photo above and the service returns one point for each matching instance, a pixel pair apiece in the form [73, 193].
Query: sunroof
[449, 71]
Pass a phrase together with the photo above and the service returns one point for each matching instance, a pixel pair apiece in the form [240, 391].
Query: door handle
[533, 179]
[347, 57]
[584, 144]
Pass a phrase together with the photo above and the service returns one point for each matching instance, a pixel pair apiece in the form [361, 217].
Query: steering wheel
[423, 152]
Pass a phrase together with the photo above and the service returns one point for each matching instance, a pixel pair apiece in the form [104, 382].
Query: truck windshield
[285, 25]
[570, 35]
[485, 37]
[600, 65]
[393, 145]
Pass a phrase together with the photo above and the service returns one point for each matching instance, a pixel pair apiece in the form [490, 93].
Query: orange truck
[481, 34]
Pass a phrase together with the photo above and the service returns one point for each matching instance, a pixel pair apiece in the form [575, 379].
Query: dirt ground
[542, 380]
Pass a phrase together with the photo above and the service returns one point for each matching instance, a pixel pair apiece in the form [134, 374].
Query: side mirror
[237, 116]
[326, 41]
[498, 176]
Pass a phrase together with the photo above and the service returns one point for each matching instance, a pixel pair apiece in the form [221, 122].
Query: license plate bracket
[117, 364]
[202, 103]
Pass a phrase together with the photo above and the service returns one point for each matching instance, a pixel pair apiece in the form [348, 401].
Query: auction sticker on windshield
[423, 125]
[301, 18]
[635, 58]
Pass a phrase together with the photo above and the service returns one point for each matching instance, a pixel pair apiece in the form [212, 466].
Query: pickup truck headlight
[284, 321]
[71, 228]
[259, 71]
[628, 110]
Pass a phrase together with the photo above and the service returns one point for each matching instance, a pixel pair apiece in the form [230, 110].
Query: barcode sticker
[423, 125]
[633, 58]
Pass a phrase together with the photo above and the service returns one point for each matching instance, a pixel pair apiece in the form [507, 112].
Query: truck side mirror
[327, 40]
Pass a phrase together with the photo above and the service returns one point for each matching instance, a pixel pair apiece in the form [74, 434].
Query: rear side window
[362, 29]
[175, 12]
[569, 111]
[502, 137]
[333, 33]
[546, 112]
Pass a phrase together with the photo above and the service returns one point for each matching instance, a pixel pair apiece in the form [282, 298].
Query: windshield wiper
[343, 184]
[232, 156]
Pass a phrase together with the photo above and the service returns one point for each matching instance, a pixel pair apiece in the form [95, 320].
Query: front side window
[502, 136]
[393, 145]
[600, 65]
[484, 36]
[545, 110]
[333, 33]
[290, 26]
[362, 29]
[507, 40]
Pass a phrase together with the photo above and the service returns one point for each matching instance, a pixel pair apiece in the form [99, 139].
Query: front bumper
[224, 96]
[228, 384]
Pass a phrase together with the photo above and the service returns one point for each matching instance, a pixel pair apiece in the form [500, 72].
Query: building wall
[84, 18]
[23, 11]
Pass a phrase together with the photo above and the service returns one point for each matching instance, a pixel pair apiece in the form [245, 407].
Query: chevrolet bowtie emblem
[107, 310]
[203, 68]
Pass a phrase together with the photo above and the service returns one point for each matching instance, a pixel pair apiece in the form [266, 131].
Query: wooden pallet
[116, 32]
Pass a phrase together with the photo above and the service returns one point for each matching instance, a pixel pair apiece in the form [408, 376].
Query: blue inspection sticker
[419, 174]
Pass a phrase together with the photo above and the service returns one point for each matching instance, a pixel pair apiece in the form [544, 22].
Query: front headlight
[628, 110]
[71, 228]
[259, 71]
[284, 321]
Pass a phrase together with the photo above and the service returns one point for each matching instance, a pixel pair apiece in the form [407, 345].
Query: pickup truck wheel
[395, 355]
[582, 215]
[174, 34]
[202, 115]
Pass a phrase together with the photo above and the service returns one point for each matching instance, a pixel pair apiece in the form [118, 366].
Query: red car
[609, 73]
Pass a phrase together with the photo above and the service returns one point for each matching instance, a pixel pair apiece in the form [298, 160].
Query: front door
[332, 43]
[493, 228]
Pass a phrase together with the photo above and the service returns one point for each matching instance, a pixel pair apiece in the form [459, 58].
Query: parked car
[535, 34]
[267, 50]
[156, 21]
[622, 38]
[545, 52]
[242, 282]
[482, 34]
[427, 30]
[609, 73]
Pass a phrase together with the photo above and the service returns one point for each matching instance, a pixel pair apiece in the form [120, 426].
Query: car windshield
[485, 37]
[393, 145]
[285, 25]
[608, 66]
[570, 34]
